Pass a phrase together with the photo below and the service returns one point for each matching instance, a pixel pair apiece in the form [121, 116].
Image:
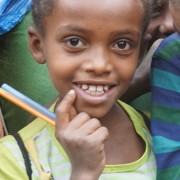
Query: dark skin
[125, 143]
[80, 53]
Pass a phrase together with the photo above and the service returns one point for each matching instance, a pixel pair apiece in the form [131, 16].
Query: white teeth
[85, 86]
[92, 88]
[95, 90]
[106, 87]
[99, 88]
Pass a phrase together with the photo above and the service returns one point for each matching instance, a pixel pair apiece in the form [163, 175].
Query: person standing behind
[165, 83]
[160, 26]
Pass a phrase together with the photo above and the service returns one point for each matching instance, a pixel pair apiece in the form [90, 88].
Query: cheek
[126, 75]
[62, 66]
[61, 74]
[59, 71]
[126, 69]
[129, 73]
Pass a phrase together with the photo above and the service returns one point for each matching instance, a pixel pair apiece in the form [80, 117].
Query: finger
[64, 110]
[72, 112]
[90, 126]
[78, 121]
[100, 135]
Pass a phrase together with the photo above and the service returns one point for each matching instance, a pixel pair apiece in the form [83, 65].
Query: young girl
[91, 49]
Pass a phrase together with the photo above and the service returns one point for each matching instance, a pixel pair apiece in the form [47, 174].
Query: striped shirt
[165, 124]
[54, 160]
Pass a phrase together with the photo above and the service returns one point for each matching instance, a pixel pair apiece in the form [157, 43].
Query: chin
[93, 112]
[97, 115]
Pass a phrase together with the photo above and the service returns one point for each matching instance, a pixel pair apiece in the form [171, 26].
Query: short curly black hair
[43, 8]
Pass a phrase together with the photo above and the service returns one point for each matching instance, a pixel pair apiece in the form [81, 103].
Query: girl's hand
[82, 138]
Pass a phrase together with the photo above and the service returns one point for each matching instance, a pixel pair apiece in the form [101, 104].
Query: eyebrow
[73, 28]
[126, 32]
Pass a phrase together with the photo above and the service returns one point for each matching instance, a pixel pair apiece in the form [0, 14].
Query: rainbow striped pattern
[165, 126]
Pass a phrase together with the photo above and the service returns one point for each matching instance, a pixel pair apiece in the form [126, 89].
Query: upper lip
[97, 82]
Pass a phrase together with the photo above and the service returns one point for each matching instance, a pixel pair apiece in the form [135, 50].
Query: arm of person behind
[1, 130]
[141, 81]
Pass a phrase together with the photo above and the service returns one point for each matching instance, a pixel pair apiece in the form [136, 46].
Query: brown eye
[74, 41]
[74, 44]
[121, 45]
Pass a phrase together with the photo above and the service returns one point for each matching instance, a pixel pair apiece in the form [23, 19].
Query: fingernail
[71, 92]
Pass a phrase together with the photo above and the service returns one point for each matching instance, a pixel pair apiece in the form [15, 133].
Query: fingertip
[66, 102]
[71, 92]
[71, 95]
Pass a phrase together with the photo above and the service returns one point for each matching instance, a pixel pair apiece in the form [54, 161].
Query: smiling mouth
[94, 90]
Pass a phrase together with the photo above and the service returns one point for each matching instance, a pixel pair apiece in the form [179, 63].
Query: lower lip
[93, 99]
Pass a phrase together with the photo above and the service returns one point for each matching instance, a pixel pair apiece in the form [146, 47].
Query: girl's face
[93, 47]
[175, 12]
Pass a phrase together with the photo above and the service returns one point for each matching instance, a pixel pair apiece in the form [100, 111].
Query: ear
[36, 45]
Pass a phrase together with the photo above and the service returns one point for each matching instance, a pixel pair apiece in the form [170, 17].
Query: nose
[166, 28]
[98, 62]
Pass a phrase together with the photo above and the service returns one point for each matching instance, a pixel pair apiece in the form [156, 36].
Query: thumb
[64, 109]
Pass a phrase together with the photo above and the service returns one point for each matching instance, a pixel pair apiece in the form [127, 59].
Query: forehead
[110, 10]
[102, 3]
[96, 17]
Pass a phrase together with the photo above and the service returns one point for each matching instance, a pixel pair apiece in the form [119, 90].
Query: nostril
[166, 30]
[98, 67]
[88, 67]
